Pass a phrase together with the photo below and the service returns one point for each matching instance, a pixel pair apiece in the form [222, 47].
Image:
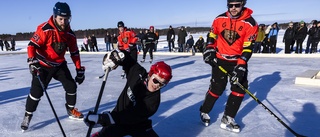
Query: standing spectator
[107, 40]
[85, 43]
[231, 50]
[13, 44]
[199, 44]
[46, 59]
[300, 35]
[288, 38]
[171, 38]
[265, 43]
[260, 38]
[311, 32]
[272, 37]
[114, 41]
[1, 44]
[94, 42]
[149, 41]
[316, 39]
[90, 44]
[189, 44]
[182, 34]
[156, 43]
[138, 101]
[7, 45]
[140, 37]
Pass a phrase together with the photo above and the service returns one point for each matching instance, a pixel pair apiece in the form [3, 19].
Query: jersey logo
[59, 47]
[230, 36]
[125, 40]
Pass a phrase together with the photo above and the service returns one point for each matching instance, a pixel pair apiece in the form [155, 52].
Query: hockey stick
[54, 112]
[105, 76]
[259, 102]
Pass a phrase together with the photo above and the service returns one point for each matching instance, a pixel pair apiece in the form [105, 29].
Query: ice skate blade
[205, 124]
[73, 118]
[225, 127]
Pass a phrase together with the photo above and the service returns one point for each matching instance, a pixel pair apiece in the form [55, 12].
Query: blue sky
[24, 16]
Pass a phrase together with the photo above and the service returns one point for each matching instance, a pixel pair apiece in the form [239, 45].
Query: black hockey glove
[80, 75]
[238, 73]
[113, 59]
[34, 66]
[209, 56]
[104, 119]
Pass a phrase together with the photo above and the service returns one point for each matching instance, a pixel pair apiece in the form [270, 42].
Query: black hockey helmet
[243, 1]
[120, 24]
[61, 9]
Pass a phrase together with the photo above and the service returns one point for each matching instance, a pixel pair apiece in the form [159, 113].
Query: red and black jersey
[49, 45]
[234, 36]
[125, 38]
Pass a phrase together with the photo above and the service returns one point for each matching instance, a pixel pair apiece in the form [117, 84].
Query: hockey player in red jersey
[236, 30]
[46, 51]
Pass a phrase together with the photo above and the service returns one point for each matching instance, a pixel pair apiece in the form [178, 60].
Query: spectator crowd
[296, 34]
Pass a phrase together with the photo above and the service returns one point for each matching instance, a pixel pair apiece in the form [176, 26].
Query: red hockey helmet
[151, 27]
[161, 69]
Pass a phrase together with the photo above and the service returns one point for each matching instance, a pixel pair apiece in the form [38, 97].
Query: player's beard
[61, 27]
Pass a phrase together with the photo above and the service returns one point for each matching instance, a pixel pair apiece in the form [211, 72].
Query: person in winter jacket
[182, 34]
[315, 39]
[300, 36]
[311, 32]
[1, 44]
[189, 44]
[288, 38]
[266, 43]
[272, 37]
[107, 41]
[260, 37]
[171, 38]
[199, 46]
[138, 101]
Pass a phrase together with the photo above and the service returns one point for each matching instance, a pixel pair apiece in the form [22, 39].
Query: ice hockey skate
[143, 60]
[150, 61]
[74, 113]
[205, 118]
[228, 123]
[26, 120]
[123, 75]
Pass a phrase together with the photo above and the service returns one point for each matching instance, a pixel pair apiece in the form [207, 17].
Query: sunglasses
[235, 5]
[156, 81]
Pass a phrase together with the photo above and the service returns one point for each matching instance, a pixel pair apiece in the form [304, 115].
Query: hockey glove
[113, 59]
[104, 119]
[238, 73]
[34, 66]
[80, 75]
[209, 56]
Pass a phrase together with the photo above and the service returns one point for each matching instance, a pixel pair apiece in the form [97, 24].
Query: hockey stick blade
[101, 76]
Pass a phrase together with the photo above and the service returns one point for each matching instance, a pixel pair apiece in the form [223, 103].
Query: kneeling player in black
[138, 101]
